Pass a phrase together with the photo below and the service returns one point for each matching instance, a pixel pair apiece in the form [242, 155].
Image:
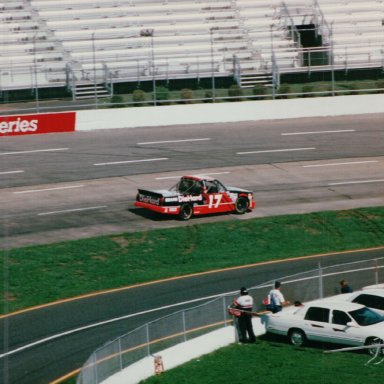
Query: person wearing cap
[244, 303]
[276, 299]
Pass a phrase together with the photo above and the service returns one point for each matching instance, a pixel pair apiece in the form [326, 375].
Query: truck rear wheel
[242, 205]
[186, 212]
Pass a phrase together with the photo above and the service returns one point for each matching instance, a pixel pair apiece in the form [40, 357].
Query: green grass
[342, 87]
[42, 274]
[272, 362]
[221, 94]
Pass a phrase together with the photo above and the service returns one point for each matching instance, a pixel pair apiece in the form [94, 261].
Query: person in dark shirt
[345, 287]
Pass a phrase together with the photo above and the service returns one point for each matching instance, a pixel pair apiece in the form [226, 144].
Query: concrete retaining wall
[228, 112]
[181, 353]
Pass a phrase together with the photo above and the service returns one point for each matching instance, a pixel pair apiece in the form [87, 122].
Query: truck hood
[238, 190]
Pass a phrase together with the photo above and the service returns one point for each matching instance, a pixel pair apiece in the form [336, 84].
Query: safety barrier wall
[16, 125]
[229, 112]
[195, 114]
[182, 326]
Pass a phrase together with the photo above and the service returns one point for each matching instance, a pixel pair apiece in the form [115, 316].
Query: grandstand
[88, 46]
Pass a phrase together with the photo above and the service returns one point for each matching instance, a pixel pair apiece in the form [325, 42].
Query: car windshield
[370, 301]
[365, 316]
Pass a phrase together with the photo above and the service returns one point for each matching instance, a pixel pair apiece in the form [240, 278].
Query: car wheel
[297, 337]
[374, 341]
[186, 212]
[242, 205]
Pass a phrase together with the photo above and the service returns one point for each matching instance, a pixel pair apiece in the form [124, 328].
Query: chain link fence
[185, 325]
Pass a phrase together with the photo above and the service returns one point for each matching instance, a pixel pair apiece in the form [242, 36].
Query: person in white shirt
[244, 303]
[276, 299]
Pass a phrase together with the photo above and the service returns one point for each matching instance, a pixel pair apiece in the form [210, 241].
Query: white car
[372, 297]
[330, 321]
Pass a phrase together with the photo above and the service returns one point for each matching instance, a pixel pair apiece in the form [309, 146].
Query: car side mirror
[351, 324]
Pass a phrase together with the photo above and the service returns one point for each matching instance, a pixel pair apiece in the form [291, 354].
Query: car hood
[287, 312]
[377, 328]
[239, 190]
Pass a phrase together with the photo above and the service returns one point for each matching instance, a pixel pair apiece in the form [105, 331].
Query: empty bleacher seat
[187, 35]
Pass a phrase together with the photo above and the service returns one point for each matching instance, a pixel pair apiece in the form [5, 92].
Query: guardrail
[377, 357]
[176, 328]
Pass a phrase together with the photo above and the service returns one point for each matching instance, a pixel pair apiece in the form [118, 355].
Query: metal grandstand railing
[290, 25]
[176, 328]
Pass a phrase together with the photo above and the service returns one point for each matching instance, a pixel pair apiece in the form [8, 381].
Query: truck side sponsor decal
[190, 198]
[149, 199]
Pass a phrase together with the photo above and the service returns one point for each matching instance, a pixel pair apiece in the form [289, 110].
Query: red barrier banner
[37, 123]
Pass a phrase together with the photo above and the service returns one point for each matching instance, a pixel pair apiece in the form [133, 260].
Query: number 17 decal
[214, 201]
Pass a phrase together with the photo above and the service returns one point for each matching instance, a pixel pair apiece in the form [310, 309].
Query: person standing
[276, 299]
[345, 287]
[244, 303]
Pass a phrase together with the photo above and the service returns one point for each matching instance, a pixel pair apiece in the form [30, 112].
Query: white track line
[53, 337]
[316, 132]
[34, 151]
[131, 161]
[275, 150]
[48, 189]
[71, 210]
[173, 141]
[10, 172]
[358, 182]
[335, 164]
[178, 177]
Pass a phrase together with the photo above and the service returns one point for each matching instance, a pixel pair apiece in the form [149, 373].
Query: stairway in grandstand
[250, 79]
[69, 43]
[89, 90]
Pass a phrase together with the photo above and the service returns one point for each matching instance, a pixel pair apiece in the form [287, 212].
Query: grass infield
[42, 274]
[271, 362]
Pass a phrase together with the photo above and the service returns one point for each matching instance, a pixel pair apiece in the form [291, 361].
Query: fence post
[120, 356]
[147, 334]
[321, 286]
[224, 312]
[376, 271]
[184, 330]
[95, 368]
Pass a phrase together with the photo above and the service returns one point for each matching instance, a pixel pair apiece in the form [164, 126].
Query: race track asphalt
[339, 165]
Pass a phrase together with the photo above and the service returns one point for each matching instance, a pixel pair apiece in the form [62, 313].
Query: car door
[316, 323]
[341, 332]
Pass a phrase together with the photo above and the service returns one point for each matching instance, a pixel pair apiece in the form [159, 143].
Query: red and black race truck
[196, 195]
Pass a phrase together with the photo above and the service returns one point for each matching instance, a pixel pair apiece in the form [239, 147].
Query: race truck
[196, 195]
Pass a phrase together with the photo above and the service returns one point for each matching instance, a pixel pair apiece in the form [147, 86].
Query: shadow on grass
[155, 216]
[279, 341]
